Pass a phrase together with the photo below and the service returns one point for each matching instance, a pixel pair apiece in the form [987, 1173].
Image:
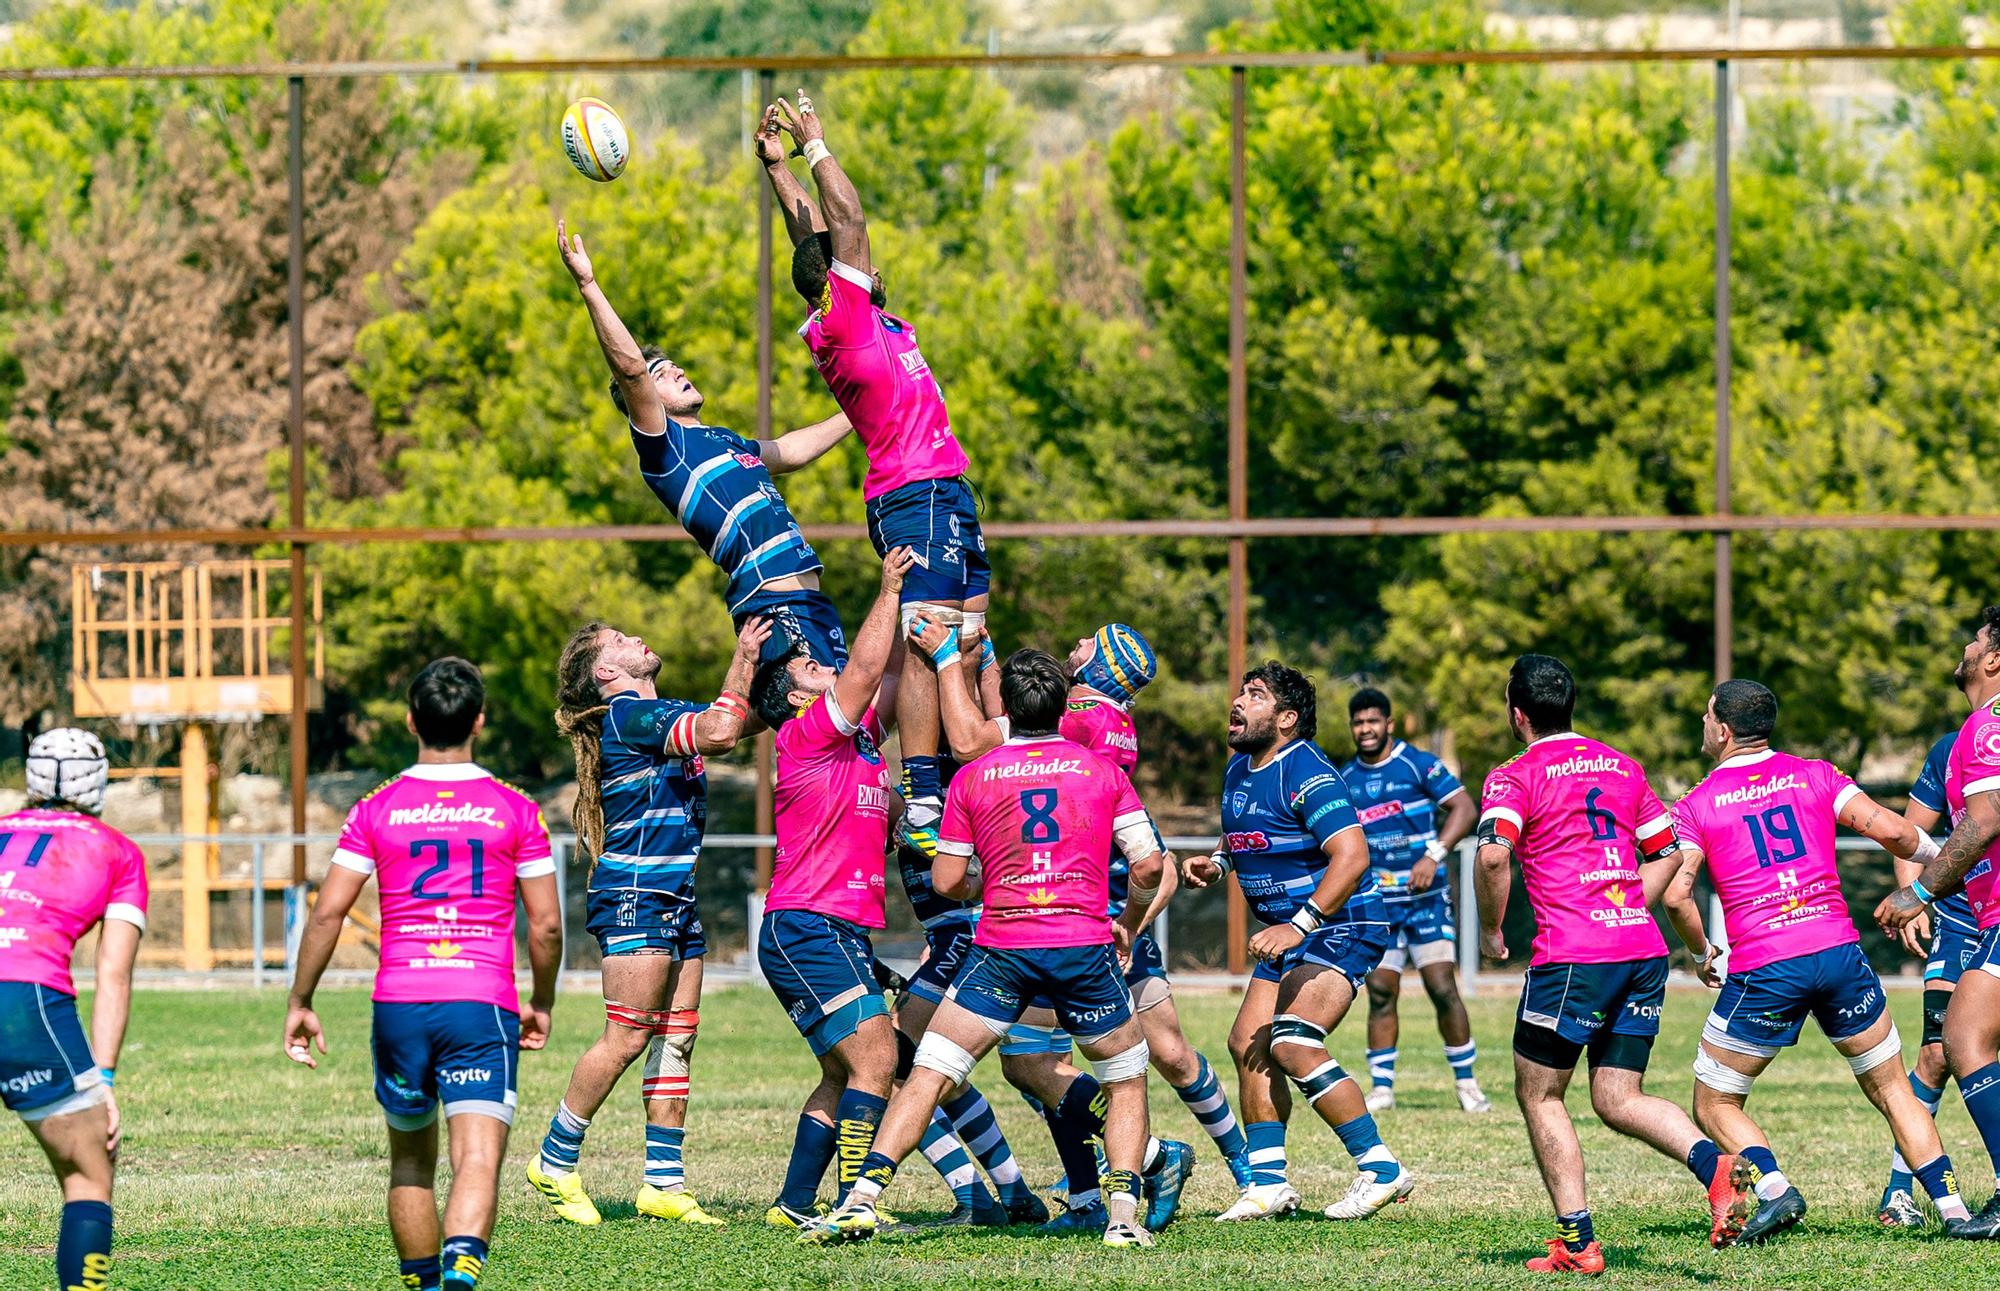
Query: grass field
[242, 1171]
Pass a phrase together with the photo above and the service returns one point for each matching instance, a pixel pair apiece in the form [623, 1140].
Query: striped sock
[1364, 1143]
[972, 1116]
[1382, 1067]
[663, 1158]
[464, 1259]
[948, 1157]
[1267, 1151]
[1575, 1230]
[564, 1142]
[1461, 1057]
[857, 1117]
[1210, 1106]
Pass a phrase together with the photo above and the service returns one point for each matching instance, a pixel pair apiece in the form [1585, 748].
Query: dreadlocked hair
[580, 710]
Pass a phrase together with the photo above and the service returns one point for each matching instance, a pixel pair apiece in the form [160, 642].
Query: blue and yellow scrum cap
[1122, 664]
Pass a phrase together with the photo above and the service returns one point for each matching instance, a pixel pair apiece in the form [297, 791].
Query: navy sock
[464, 1259]
[83, 1250]
[812, 1153]
[1575, 1230]
[921, 775]
[423, 1274]
[1702, 1159]
[1981, 1092]
[1074, 1124]
[857, 1117]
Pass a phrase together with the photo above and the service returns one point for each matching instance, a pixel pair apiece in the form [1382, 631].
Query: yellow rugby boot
[565, 1195]
[679, 1206]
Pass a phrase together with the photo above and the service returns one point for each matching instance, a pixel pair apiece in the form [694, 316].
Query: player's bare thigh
[1319, 994]
[76, 1144]
[1250, 1034]
[1972, 1024]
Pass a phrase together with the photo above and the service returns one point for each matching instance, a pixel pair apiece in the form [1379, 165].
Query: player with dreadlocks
[641, 804]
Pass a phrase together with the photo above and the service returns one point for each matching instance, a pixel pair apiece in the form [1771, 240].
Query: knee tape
[1723, 1079]
[652, 1021]
[1935, 1004]
[1430, 952]
[1319, 1082]
[948, 1059]
[85, 1099]
[1126, 1064]
[670, 1058]
[1869, 1059]
[1290, 1028]
[971, 619]
[910, 611]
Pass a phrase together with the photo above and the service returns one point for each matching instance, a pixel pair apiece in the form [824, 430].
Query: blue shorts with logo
[629, 921]
[44, 1055]
[1954, 944]
[939, 521]
[949, 944]
[1423, 919]
[1147, 961]
[1581, 1001]
[798, 614]
[456, 1052]
[1351, 949]
[1083, 984]
[1763, 1010]
[822, 970]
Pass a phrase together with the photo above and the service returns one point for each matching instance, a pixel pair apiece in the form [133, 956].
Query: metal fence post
[1239, 457]
[1468, 917]
[257, 915]
[1725, 592]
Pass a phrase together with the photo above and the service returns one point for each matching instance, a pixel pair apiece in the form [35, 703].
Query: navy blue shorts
[1986, 952]
[1763, 1010]
[949, 943]
[1422, 930]
[822, 970]
[1581, 1001]
[45, 1058]
[938, 521]
[798, 614]
[627, 921]
[1082, 983]
[1146, 960]
[455, 1052]
[1353, 950]
[1954, 947]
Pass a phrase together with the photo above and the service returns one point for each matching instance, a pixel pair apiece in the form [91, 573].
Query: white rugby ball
[594, 138]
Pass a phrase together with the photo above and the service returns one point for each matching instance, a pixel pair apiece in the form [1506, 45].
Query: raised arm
[839, 202]
[790, 451]
[855, 688]
[628, 365]
[720, 725]
[802, 217]
[969, 731]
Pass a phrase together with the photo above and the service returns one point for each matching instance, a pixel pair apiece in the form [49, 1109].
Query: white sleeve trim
[125, 912]
[840, 722]
[355, 861]
[536, 868]
[946, 847]
[1985, 785]
[1845, 796]
[1135, 835]
[1507, 814]
[853, 275]
[1664, 820]
[1455, 793]
[1006, 725]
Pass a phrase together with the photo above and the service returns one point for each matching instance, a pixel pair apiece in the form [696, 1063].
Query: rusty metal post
[295, 295]
[762, 748]
[1239, 456]
[1725, 592]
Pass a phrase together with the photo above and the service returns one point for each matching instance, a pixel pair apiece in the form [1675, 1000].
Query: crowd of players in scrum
[1036, 871]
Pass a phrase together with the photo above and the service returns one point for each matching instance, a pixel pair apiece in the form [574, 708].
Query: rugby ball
[594, 138]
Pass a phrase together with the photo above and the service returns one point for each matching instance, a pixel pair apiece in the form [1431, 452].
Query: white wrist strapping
[1307, 919]
[1927, 847]
[815, 151]
[1435, 851]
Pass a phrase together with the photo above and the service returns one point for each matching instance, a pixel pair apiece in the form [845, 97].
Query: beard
[648, 668]
[1254, 738]
[1961, 674]
[1370, 745]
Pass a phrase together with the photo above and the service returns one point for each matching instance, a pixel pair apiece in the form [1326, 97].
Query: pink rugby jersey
[1580, 816]
[1975, 768]
[1765, 821]
[832, 808]
[61, 872]
[1041, 813]
[447, 844]
[1102, 725]
[870, 362]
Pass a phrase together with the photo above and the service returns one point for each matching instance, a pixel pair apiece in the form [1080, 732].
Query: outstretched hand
[770, 149]
[575, 258]
[895, 566]
[801, 123]
[750, 641]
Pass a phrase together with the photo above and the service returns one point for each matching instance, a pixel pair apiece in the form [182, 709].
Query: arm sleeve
[1928, 791]
[655, 464]
[1655, 831]
[1838, 787]
[1687, 824]
[664, 726]
[356, 848]
[532, 855]
[1504, 813]
[1322, 805]
[1438, 781]
[955, 830]
[849, 317]
[1131, 824]
[128, 886]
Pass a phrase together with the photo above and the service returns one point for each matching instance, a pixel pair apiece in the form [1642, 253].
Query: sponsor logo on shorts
[1639, 1010]
[28, 1080]
[1097, 1014]
[466, 1076]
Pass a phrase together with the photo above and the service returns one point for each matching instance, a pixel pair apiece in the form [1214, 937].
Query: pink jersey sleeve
[1504, 808]
[849, 316]
[1833, 784]
[533, 856]
[1655, 828]
[355, 849]
[128, 895]
[955, 830]
[1687, 824]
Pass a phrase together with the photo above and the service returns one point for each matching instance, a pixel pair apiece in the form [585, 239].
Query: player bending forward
[449, 846]
[1291, 835]
[1042, 815]
[1580, 817]
[63, 871]
[641, 807]
[1968, 861]
[1763, 823]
